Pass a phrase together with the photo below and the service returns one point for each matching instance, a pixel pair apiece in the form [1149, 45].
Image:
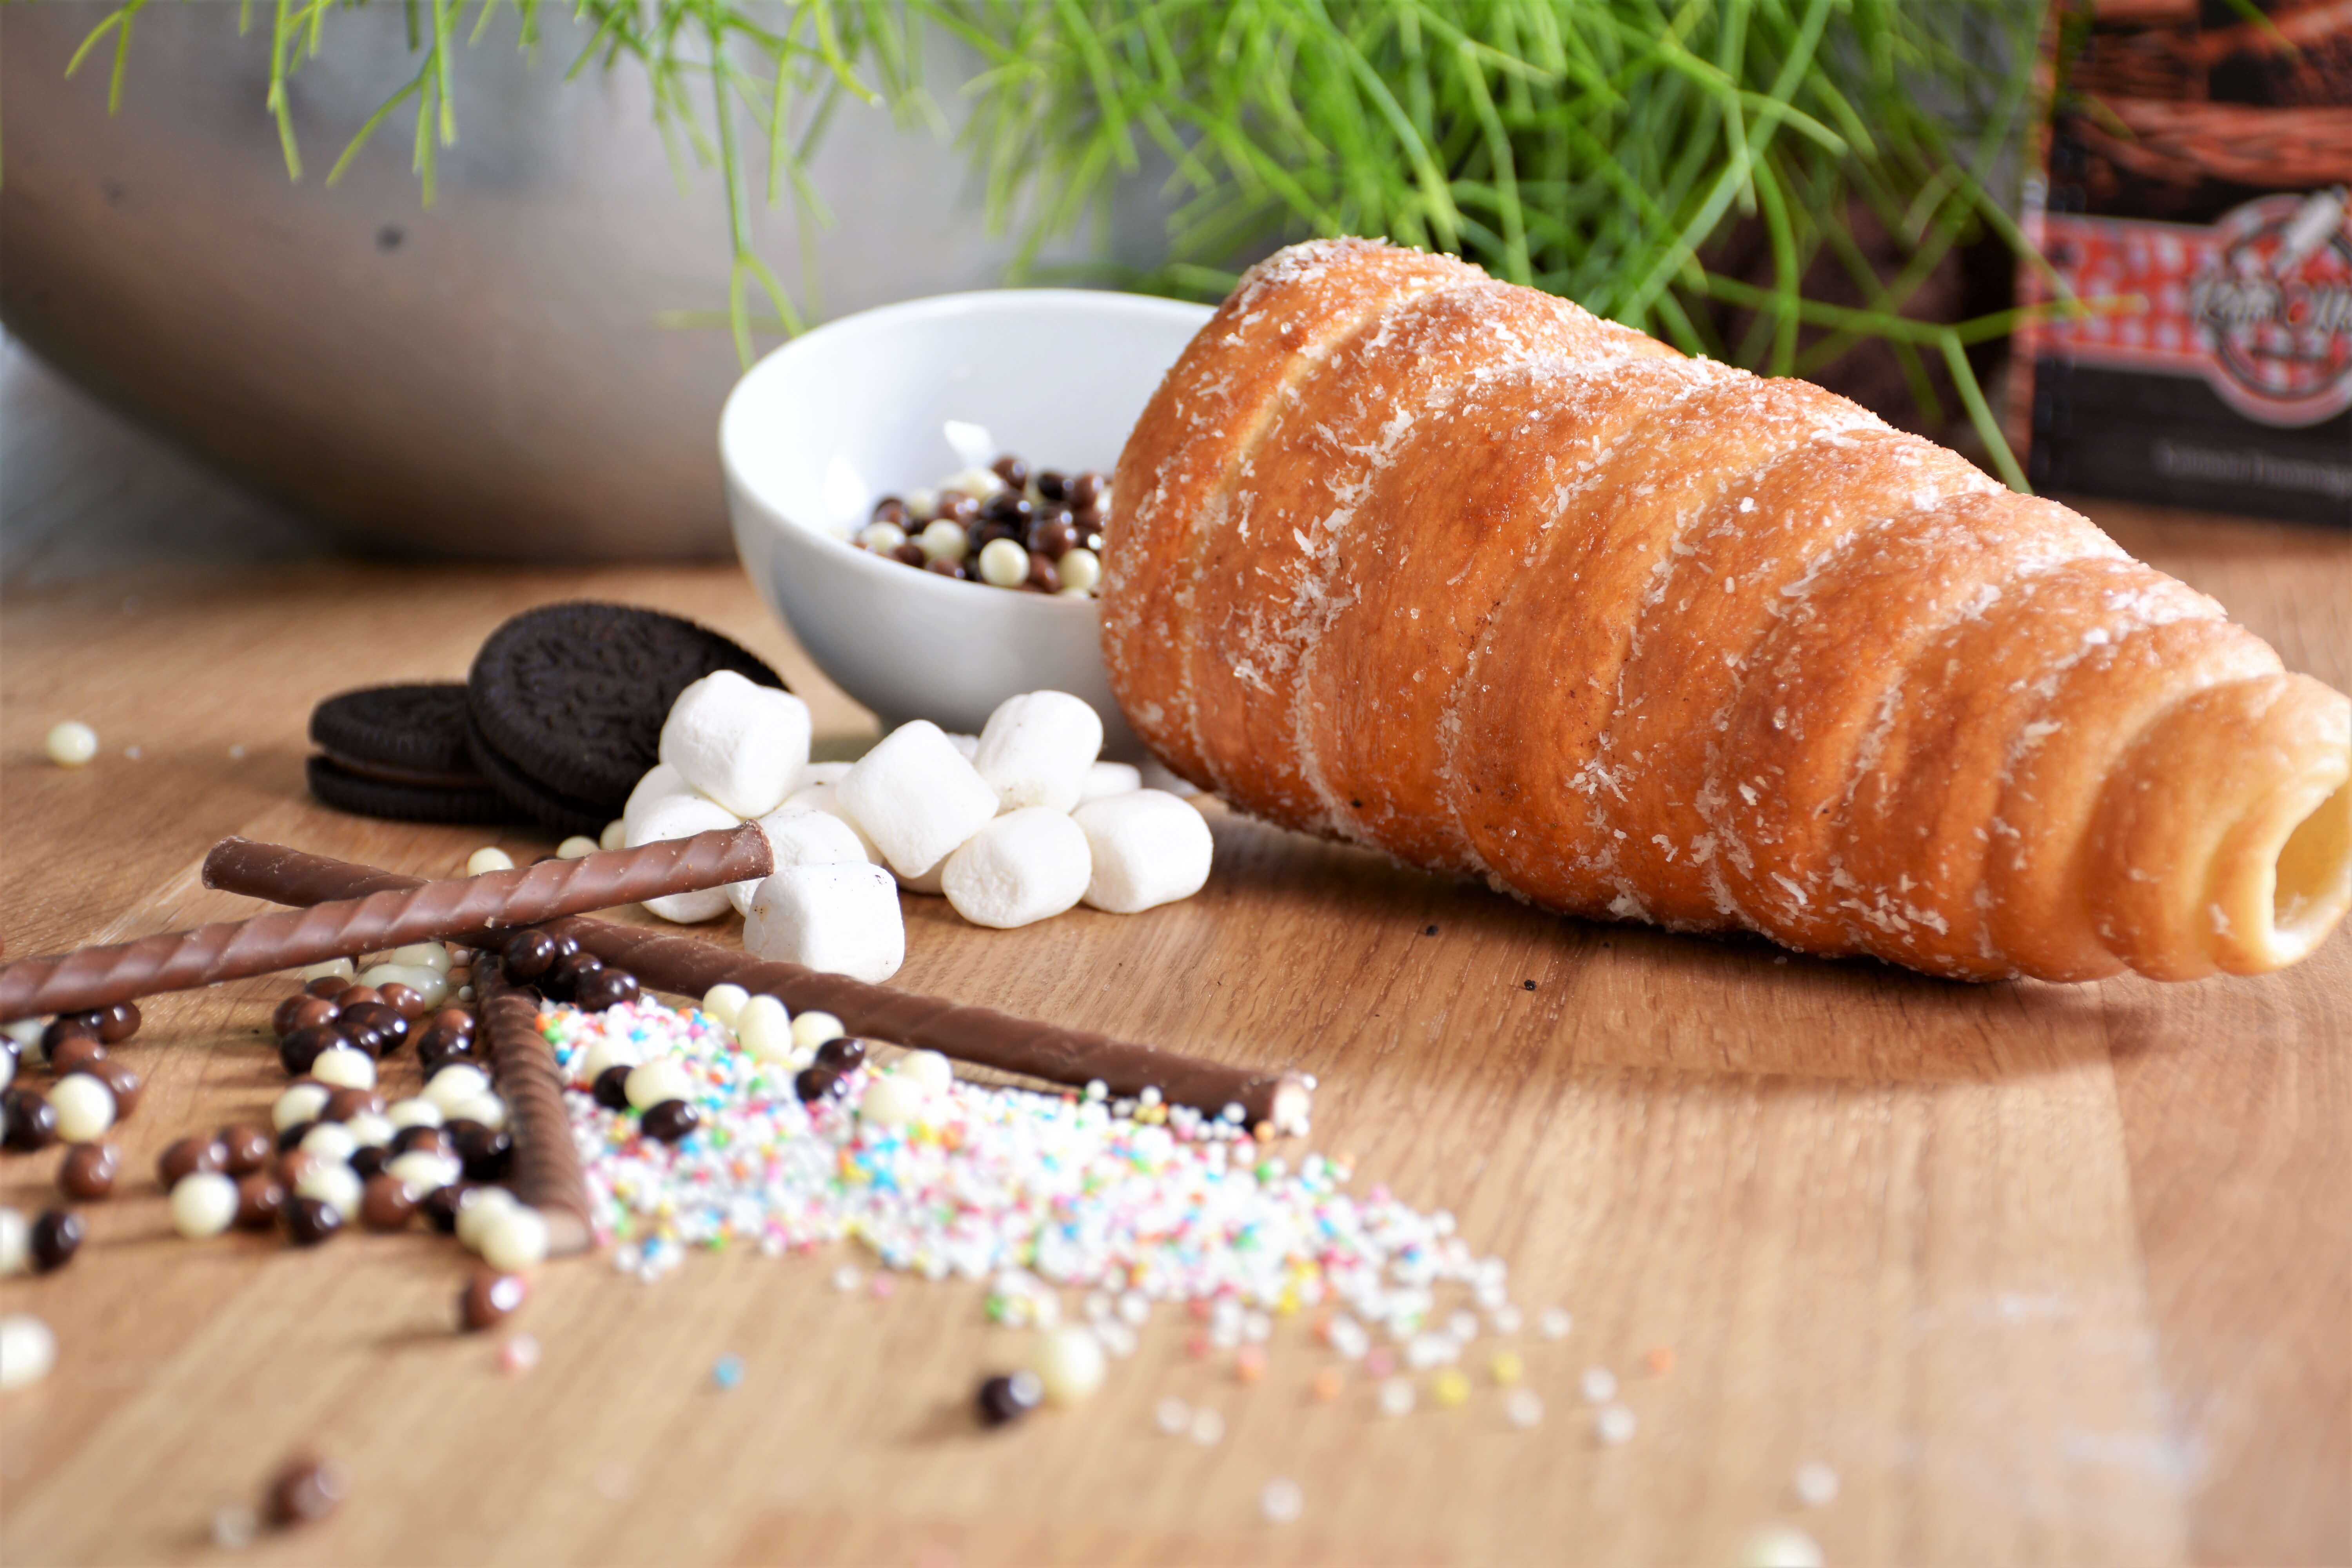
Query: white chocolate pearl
[811, 1030]
[27, 1349]
[1002, 564]
[332, 1140]
[881, 537]
[486, 1109]
[921, 504]
[337, 1186]
[202, 1204]
[664, 1078]
[944, 540]
[26, 1032]
[454, 1084]
[578, 846]
[421, 955]
[892, 1100]
[980, 484]
[325, 967]
[488, 857]
[370, 1131]
[425, 1170]
[608, 1051]
[482, 1205]
[725, 1002]
[933, 1072]
[514, 1239]
[85, 1108]
[301, 1103]
[765, 1029]
[1069, 1362]
[344, 1068]
[72, 743]
[15, 1242]
[614, 836]
[413, 1112]
[1080, 568]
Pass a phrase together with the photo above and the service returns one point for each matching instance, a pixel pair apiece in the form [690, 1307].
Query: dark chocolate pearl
[409, 1140]
[671, 1121]
[1012, 470]
[486, 1151]
[405, 1000]
[309, 1221]
[434, 1052]
[988, 533]
[840, 1054]
[65, 1027]
[606, 988]
[298, 1050]
[528, 954]
[1053, 540]
[77, 1053]
[260, 1198]
[306, 1489]
[390, 1025]
[327, 985]
[1085, 489]
[346, 1104]
[187, 1156]
[56, 1236]
[440, 1205]
[562, 979]
[302, 1011]
[290, 1137]
[370, 1158]
[956, 507]
[1043, 576]
[947, 568]
[1053, 486]
[890, 510]
[387, 1202]
[352, 996]
[1003, 1400]
[88, 1169]
[367, 1038]
[1008, 506]
[126, 1083]
[490, 1298]
[246, 1147]
[32, 1119]
[818, 1083]
[118, 1022]
[612, 1088]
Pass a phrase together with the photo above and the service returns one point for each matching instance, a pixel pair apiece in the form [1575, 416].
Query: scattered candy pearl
[1506, 1367]
[15, 1243]
[1659, 1360]
[578, 846]
[323, 968]
[27, 1349]
[765, 1029]
[1208, 1428]
[236, 1526]
[337, 1186]
[455, 1084]
[891, 1100]
[1523, 1406]
[1069, 1362]
[1397, 1397]
[85, 1108]
[726, 1002]
[1450, 1387]
[413, 1111]
[1817, 1484]
[1463, 1326]
[488, 857]
[1506, 1319]
[1380, 1361]
[1171, 1415]
[515, 1239]
[846, 1278]
[1249, 1365]
[519, 1354]
[614, 836]
[1614, 1424]
[332, 1140]
[1555, 1323]
[486, 1109]
[727, 1371]
[664, 1078]
[1328, 1384]
[1281, 1501]
[202, 1204]
[1599, 1384]
[71, 744]
[1779, 1546]
[811, 1030]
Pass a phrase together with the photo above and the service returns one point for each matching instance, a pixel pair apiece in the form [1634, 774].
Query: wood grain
[2048, 1274]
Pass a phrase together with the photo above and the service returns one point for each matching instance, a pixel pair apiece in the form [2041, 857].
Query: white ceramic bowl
[857, 409]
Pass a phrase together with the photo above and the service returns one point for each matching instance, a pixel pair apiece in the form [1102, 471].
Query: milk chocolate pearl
[440, 1205]
[65, 1027]
[126, 1083]
[490, 1298]
[671, 1121]
[260, 1197]
[1085, 489]
[889, 509]
[298, 1050]
[301, 1011]
[387, 1203]
[527, 954]
[1053, 539]
[88, 1171]
[246, 1147]
[956, 507]
[840, 1054]
[612, 1089]
[352, 996]
[947, 568]
[56, 1236]
[77, 1053]
[1012, 470]
[1043, 576]
[118, 1022]
[487, 1153]
[456, 1020]
[327, 985]
[32, 1120]
[346, 1104]
[405, 1000]
[309, 1221]
[306, 1489]
[432, 1140]
[606, 988]
[909, 555]
[189, 1155]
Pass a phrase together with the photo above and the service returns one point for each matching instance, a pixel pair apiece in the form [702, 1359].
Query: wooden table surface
[2048, 1274]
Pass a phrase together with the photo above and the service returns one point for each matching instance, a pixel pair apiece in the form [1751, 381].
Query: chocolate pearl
[77, 1053]
[528, 954]
[56, 1236]
[298, 1050]
[1053, 539]
[1003, 1400]
[490, 1298]
[309, 1221]
[1012, 470]
[327, 985]
[454, 1021]
[563, 980]
[889, 509]
[118, 1022]
[88, 1171]
[189, 1155]
[352, 996]
[124, 1080]
[612, 1089]
[244, 1147]
[306, 1489]
[370, 1158]
[671, 1121]
[1008, 506]
[65, 1027]
[1053, 486]
[260, 1197]
[366, 1037]
[1043, 576]
[405, 1000]
[606, 988]
[296, 1163]
[32, 1119]
[387, 1203]
[956, 507]
[1084, 490]
[818, 1083]
[346, 1104]
[841, 1053]
[303, 1011]
[391, 1025]
[909, 555]
[289, 1140]
[409, 1140]
[486, 1151]
[947, 568]
[437, 1051]
[440, 1205]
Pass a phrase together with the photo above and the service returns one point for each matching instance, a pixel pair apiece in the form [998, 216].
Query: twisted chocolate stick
[685, 966]
[546, 1173]
[228, 950]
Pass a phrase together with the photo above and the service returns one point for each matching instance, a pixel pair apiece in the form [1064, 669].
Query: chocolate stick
[685, 966]
[546, 1174]
[263, 944]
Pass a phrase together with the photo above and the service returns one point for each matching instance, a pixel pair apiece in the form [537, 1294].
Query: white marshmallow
[817, 774]
[1110, 778]
[917, 797]
[801, 837]
[827, 798]
[1027, 865]
[1036, 748]
[967, 746]
[842, 919]
[1147, 849]
[660, 783]
[682, 816]
[1157, 775]
[928, 883]
[737, 742]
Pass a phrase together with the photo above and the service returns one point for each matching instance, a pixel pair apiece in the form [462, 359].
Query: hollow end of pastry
[2283, 880]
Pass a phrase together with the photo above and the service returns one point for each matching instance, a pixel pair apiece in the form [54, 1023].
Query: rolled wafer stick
[228, 950]
[546, 1171]
[685, 966]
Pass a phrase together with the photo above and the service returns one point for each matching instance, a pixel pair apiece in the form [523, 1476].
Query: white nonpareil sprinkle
[1779, 1546]
[1281, 1501]
[1208, 1427]
[1397, 1397]
[1555, 1323]
[1171, 1415]
[72, 743]
[27, 1349]
[1524, 1406]
[1614, 1424]
[1817, 1484]
[846, 1278]
[1598, 1384]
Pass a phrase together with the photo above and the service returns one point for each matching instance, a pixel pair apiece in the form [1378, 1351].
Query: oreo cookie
[566, 702]
[400, 751]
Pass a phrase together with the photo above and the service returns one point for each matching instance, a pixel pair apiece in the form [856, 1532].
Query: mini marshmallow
[661, 782]
[1110, 778]
[1027, 865]
[1147, 849]
[929, 883]
[817, 774]
[737, 742]
[968, 746]
[802, 837]
[682, 816]
[917, 797]
[840, 919]
[1157, 775]
[826, 798]
[1036, 748]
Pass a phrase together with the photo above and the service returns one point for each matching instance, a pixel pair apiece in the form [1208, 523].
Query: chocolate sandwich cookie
[570, 698]
[560, 814]
[400, 751]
